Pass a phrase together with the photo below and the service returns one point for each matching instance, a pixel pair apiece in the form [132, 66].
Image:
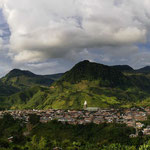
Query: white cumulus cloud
[43, 29]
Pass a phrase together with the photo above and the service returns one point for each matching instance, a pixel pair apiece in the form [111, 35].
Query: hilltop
[17, 80]
[91, 71]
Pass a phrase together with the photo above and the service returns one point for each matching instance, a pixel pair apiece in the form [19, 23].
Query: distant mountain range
[98, 84]
[124, 68]
[144, 70]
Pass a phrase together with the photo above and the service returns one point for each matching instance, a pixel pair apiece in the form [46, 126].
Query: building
[85, 105]
[92, 108]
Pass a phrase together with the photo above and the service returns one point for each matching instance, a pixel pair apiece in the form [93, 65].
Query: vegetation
[100, 85]
[68, 137]
[21, 79]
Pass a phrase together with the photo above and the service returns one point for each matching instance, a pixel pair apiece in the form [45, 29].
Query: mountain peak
[18, 72]
[86, 70]
[85, 61]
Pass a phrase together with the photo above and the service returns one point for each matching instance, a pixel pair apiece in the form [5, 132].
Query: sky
[47, 36]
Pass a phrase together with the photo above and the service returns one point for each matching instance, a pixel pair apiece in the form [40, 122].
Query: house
[92, 108]
[139, 125]
[133, 135]
[10, 139]
[146, 131]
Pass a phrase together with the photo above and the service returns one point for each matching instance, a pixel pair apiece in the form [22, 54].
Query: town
[131, 117]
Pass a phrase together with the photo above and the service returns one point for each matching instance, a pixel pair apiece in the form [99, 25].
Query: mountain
[17, 73]
[100, 85]
[90, 71]
[123, 68]
[17, 80]
[144, 70]
[21, 79]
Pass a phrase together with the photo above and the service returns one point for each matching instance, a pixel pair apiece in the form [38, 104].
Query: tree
[33, 145]
[140, 133]
[42, 143]
[8, 120]
[34, 119]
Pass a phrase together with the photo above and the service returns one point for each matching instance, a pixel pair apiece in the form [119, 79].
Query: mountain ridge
[86, 70]
[100, 85]
[124, 68]
[22, 79]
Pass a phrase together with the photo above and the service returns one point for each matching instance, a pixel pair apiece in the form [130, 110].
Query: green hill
[100, 85]
[107, 76]
[24, 79]
[18, 80]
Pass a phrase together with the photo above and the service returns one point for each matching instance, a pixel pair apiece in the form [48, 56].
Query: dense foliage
[37, 136]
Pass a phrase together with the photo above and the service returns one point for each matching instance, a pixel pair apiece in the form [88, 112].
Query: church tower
[85, 105]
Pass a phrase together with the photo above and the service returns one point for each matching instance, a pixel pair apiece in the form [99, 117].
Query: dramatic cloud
[106, 31]
[52, 29]
[49, 67]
